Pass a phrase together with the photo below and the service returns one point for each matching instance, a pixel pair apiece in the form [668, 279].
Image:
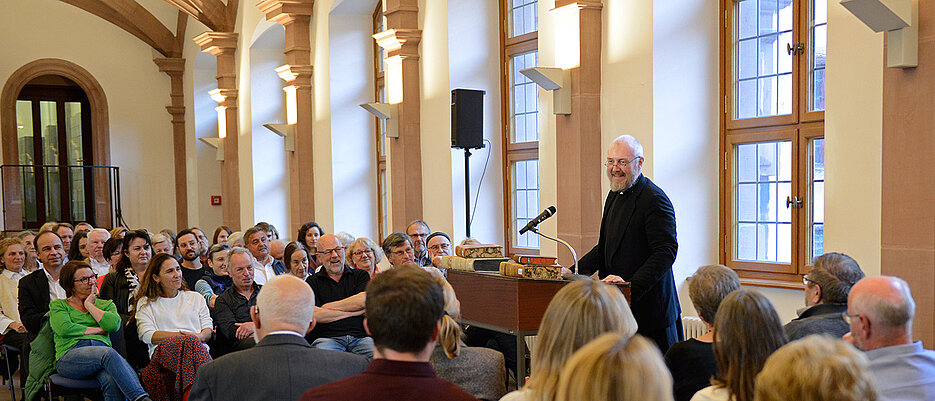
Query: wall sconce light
[900, 19]
[556, 80]
[567, 35]
[287, 131]
[394, 79]
[217, 143]
[386, 112]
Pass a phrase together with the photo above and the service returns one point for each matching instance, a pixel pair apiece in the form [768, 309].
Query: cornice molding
[217, 43]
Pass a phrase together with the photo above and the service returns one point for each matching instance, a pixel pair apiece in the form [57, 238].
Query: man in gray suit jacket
[282, 365]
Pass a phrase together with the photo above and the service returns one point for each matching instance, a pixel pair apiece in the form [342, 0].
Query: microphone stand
[560, 241]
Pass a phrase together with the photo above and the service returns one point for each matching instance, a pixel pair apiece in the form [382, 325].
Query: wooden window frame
[510, 46]
[801, 126]
[379, 83]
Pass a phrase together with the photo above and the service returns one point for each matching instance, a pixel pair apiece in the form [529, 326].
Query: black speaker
[467, 118]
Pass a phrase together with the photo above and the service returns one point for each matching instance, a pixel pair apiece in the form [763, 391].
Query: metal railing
[34, 194]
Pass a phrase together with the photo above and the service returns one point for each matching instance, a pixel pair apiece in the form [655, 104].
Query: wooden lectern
[508, 305]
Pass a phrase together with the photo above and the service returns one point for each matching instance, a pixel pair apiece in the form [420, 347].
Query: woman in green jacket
[80, 326]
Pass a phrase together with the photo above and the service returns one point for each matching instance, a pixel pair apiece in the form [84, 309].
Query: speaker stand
[467, 192]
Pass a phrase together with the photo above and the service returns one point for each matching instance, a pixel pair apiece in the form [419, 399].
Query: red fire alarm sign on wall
[215, 200]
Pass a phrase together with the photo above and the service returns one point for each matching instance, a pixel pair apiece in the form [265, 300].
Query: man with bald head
[282, 358]
[637, 243]
[339, 300]
[880, 311]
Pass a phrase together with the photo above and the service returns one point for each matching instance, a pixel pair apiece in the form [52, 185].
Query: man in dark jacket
[826, 288]
[638, 244]
[282, 365]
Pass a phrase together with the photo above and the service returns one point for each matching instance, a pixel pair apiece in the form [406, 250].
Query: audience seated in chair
[692, 361]
[80, 324]
[339, 295]
[189, 247]
[826, 287]
[815, 368]
[215, 280]
[418, 232]
[79, 247]
[308, 236]
[404, 312]
[579, 313]
[12, 259]
[122, 285]
[479, 371]
[32, 262]
[42, 286]
[96, 239]
[746, 331]
[220, 235]
[232, 307]
[398, 249]
[175, 324]
[612, 367]
[880, 310]
[265, 266]
[282, 360]
[295, 257]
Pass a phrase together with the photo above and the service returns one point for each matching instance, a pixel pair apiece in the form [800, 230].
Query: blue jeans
[357, 345]
[92, 358]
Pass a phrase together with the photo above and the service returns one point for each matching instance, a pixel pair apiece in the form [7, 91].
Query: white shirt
[712, 393]
[264, 272]
[55, 289]
[8, 313]
[187, 311]
[100, 269]
[14, 276]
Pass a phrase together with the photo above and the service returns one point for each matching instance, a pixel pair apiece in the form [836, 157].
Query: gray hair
[708, 287]
[631, 142]
[366, 243]
[99, 231]
[237, 250]
[835, 273]
[344, 238]
[234, 238]
[394, 240]
[417, 221]
[159, 238]
[286, 299]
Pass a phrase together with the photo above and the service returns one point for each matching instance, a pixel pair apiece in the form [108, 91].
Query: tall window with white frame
[379, 88]
[772, 216]
[520, 116]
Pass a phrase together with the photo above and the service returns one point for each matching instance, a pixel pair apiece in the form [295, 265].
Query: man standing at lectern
[637, 244]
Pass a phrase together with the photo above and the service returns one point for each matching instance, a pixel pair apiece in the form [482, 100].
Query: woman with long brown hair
[746, 332]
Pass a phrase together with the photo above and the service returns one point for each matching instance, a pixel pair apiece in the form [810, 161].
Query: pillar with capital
[174, 67]
[223, 45]
[294, 16]
[401, 42]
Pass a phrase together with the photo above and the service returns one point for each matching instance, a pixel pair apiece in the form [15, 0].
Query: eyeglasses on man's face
[438, 247]
[329, 251]
[622, 163]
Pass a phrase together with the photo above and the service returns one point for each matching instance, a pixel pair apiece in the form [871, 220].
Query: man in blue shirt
[880, 311]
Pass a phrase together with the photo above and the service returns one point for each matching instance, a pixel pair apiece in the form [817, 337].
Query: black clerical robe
[638, 243]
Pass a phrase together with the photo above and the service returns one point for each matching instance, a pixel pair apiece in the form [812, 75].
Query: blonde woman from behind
[615, 368]
[578, 313]
[816, 368]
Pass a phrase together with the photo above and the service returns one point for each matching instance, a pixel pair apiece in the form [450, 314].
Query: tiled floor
[5, 390]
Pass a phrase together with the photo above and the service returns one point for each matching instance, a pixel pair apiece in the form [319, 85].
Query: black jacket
[33, 298]
[640, 247]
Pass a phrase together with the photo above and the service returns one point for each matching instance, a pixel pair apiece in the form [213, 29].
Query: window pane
[525, 196]
[524, 99]
[818, 35]
[75, 156]
[27, 156]
[524, 17]
[817, 189]
[762, 181]
[760, 92]
[48, 123]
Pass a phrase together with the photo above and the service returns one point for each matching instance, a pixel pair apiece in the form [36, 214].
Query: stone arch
[100, 129]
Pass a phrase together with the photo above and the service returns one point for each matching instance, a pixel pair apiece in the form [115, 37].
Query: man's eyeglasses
[847, 317]
[622, 163]
[328, 251]
[440, 247]
[400, 252]
[87, 280]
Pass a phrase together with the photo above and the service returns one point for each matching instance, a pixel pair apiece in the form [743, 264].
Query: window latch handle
[794, 202]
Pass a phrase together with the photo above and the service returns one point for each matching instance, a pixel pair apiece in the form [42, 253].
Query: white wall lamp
[287, 132]
[900, 19]
[556, 80]
[386, 112]
[218, 143]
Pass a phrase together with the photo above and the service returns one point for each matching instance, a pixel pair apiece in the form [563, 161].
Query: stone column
[223, 45]
[294, 16]
[401, 41]
[578, 139]
[175, 68]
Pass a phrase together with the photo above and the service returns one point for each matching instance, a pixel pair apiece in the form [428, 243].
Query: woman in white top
[165, 309]
[12, 258]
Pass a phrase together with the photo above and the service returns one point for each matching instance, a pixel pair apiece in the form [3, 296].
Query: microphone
[548, 212]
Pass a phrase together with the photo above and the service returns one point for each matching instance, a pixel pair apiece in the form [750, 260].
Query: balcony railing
[35, 194]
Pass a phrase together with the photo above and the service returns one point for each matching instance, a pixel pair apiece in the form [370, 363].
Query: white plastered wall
[137, 93]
